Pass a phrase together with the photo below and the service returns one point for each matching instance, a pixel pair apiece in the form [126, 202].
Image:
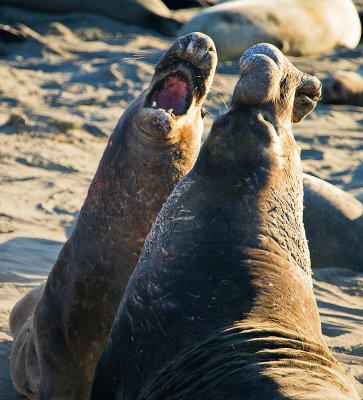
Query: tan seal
[343, 87]
[154, 144]
[297, 27]
[220, 305]
[333, 221]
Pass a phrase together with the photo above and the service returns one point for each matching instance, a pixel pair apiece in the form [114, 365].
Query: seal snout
[181, 81]
[261, 73]
[183, 76]
[307, 95]
[267, 76]
[198, 49]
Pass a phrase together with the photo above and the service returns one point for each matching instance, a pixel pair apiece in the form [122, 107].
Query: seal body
[343, 87]
[220, 305]
[333, 222]
[297, 27]
[154, 144]
[150, 13]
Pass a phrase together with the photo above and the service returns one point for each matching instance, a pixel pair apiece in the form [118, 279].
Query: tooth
[154, 103]
[170, 111]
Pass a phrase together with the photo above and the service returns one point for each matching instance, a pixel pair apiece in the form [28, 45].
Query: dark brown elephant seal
[154, 144]
[150, 13]
[220, 305]
[333, 222]
[343, 87]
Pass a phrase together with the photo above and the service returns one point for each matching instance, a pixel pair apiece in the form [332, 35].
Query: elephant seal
[343, 87]
[333, 222]
[149, 13]
[154, 144]
[220, 305]
[297, 27]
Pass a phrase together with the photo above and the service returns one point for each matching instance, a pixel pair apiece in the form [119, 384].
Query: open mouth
[174, 93]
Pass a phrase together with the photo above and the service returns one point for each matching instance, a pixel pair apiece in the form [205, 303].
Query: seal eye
[202, 111]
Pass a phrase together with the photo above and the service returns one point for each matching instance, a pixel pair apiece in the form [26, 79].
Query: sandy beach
[62, 92]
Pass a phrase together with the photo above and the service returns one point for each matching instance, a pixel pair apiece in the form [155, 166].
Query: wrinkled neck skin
[124, 197]
[241, 279]
[268, 175]
[263, 329]
[268, 185]
[227, 263]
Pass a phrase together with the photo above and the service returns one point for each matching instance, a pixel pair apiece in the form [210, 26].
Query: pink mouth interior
[173, 95]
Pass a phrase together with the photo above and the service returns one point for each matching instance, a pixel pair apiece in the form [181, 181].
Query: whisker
[218, 94]
[207, 111]
[153, 56]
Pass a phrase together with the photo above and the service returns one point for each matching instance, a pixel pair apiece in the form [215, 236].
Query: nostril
[310, 86]
[210, 47]
[283, 84]
[189, 38]
[197, 40]
[184, 42]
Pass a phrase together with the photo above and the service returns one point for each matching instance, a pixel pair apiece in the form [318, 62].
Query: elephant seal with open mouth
[155, 143]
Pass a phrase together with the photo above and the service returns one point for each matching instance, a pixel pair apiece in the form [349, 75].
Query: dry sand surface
[62, 92]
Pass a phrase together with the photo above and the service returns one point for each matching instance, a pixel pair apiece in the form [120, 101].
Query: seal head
[180, 84]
